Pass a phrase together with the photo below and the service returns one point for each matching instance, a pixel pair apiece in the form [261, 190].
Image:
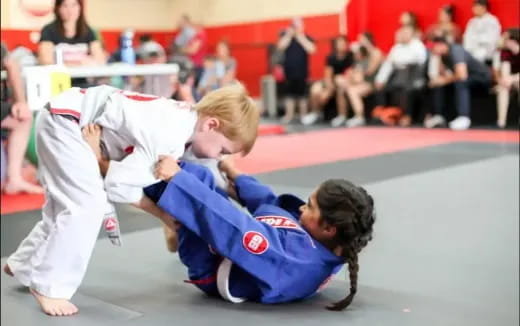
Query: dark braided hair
[351, 210]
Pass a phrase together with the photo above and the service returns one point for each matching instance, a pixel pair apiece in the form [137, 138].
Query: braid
[351, 210]
[353, 268]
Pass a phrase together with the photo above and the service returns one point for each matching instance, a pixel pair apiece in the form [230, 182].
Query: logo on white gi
[278, 222]
[255, 242]
[110, 224]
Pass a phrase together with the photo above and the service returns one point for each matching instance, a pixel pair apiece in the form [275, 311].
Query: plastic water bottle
[127, 50]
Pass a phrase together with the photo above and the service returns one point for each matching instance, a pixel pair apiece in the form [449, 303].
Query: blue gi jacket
[276, 259]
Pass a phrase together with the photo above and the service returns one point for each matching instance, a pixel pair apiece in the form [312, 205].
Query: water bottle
[127, 50]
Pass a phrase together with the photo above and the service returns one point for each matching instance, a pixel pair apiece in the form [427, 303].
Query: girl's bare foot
[55, 307]
[92, 135]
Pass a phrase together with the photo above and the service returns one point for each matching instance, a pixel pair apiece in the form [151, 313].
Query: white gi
[54, 256]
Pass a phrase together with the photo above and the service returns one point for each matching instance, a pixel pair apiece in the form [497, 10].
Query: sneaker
[310, 119]
[435, 121]
[338, 121]
[460, 123]
[355, 122]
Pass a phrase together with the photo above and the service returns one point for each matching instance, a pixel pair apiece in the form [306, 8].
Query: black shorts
[5, 110]
[295, 87]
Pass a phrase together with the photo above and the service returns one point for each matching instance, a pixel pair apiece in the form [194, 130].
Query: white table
[37, 80]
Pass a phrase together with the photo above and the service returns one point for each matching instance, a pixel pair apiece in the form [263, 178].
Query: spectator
[507, 70]
[337, 64]
[17, 119]
[460, 69]
[400, 75]
[229, 63]
[211, 76]
[70, 34]
[150, 51]
[359, 81]
[192, 42]
[409, 18]
[296, 46]
[482, 33]
[445, 26]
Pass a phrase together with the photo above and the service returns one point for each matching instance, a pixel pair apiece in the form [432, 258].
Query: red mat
[299, 150]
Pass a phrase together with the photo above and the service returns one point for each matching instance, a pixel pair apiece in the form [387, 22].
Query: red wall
[381, 17]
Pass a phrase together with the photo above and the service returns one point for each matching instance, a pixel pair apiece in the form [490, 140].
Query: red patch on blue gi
[278, 222]
[255, 242]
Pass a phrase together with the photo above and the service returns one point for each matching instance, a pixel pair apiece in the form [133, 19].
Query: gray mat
[445, 252]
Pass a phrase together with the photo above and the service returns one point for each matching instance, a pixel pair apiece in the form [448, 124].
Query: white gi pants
[53, 258]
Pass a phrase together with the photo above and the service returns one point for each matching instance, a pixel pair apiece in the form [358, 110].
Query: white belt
[223, 271]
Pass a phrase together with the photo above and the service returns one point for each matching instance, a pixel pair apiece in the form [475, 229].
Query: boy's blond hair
[236, 111]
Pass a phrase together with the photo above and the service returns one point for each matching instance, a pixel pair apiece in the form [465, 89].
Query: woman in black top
[337, 64]
[71, 35]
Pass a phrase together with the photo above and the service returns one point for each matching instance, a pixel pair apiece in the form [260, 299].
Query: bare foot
[92, 135]
[171, 238]
[55, 307]
[15, 187]
[7, 270]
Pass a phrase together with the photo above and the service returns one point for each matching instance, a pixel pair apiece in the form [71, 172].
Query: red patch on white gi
[139, 97]
[110, 224]
[278, 222]
[129, 149]
[255, 242]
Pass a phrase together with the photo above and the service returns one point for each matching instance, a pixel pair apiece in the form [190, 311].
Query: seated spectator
[482, 33]
[445, 26]
[191, 42]
[16, 118]
[336, 65]
[400, 75]
[70, 34]
[211, 75]
[229, 63]
[359, 81]
[71, 37]
[507, 70]
[460, 69]
[296, 46]
[409, 18]
[150, 51]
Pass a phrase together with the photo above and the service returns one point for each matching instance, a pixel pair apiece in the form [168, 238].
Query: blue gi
[274, 259]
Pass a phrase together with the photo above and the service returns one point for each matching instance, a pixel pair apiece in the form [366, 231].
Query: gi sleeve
[254, 246]
[252, 193]
[125, 179]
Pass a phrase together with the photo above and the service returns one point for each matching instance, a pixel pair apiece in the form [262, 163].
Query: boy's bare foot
[55, 307]
[171, 238]
[13, 187]
[7, 270]
[92, 135]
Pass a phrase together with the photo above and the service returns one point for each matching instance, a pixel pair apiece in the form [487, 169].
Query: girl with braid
[286, 250]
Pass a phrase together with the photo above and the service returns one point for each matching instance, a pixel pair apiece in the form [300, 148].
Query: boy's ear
[212, 123]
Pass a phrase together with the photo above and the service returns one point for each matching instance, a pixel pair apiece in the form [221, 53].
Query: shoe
[338, 121]
[460, 123]
[435, 121]
[310, 119]
[355, 122]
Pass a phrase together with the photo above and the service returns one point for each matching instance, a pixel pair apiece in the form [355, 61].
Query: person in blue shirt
[284, 250]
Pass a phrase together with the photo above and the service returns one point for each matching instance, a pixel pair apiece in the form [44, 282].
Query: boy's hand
[166, 168]
[20, 111]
